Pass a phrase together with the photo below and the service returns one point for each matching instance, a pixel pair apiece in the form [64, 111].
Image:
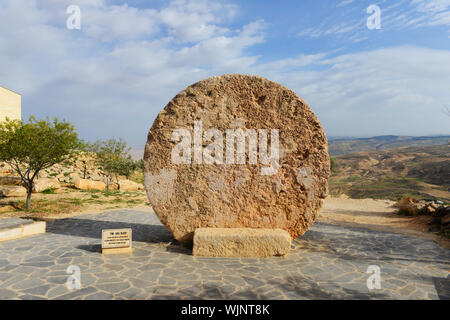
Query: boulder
[446, 220]
[42, 184]
[113, 186]
[405, 201]
[13, 191]
[128, 185]
[441, 211]
[73, 176]
[408, 209]
[411, 206]
[241, 242]
[236, 151]
[43, 174]
[84, 184]
[97, 185]
[429, 209]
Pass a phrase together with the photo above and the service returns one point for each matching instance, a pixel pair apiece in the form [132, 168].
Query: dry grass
[420, 173]
[68, 201]
[49, 206]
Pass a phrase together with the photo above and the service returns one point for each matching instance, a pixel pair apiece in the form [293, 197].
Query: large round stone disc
[211, 158]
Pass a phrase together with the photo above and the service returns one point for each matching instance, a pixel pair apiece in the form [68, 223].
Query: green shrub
[333, 164]
[49, 191]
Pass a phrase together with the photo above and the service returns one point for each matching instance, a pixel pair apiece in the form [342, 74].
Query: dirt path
[376, 215]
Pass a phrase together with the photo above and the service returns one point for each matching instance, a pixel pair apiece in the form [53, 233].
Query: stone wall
[10, 104]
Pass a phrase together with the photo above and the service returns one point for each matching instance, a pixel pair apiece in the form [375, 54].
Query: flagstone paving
[328, 262]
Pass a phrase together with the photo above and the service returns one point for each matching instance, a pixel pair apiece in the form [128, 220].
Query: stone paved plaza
[328, 262]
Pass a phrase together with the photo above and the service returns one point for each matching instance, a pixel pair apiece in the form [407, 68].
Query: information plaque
[116, 241]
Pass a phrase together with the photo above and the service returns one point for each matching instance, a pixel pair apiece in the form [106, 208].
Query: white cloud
[191, 21]
[115, 74]
[112, 23]
[336, 29]
[398, 90]
[345, 2]
[111, 84]
[400, 15]
[433, 6]
[417, 14]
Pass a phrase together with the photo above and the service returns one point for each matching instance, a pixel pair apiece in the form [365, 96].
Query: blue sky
[113, 76]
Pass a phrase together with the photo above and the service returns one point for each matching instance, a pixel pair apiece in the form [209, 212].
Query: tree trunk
[84, 171]
[29, 191]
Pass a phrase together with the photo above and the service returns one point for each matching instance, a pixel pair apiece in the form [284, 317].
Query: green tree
[111, 156]
[29, 147]
[126, 166]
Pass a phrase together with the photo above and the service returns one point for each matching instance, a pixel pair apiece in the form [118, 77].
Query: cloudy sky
[113, 75]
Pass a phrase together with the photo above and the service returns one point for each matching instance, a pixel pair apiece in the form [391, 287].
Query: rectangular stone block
[34, 228]
[241, 242]
[117, 250]
[14, 229]
[10, 233]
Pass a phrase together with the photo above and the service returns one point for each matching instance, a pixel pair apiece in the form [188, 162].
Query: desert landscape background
[369, 176]
[391, 167]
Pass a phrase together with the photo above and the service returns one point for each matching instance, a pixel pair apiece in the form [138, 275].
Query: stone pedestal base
[241, 242]
[117, 250]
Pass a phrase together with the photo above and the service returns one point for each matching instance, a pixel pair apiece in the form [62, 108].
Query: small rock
[113, 186]
[431, 209]
[408, 209]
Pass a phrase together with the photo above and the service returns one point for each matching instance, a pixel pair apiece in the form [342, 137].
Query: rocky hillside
[419, 172]
[66, 172]
[340, 146]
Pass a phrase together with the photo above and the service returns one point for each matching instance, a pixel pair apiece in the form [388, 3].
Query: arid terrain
[69, 202]
[419, 172]
[366, 213]
[364, 187]
[380, 215]
[341, 146]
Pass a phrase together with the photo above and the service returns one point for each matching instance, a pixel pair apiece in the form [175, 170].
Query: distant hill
[419, 172]
[387, 167]
[340, 146]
